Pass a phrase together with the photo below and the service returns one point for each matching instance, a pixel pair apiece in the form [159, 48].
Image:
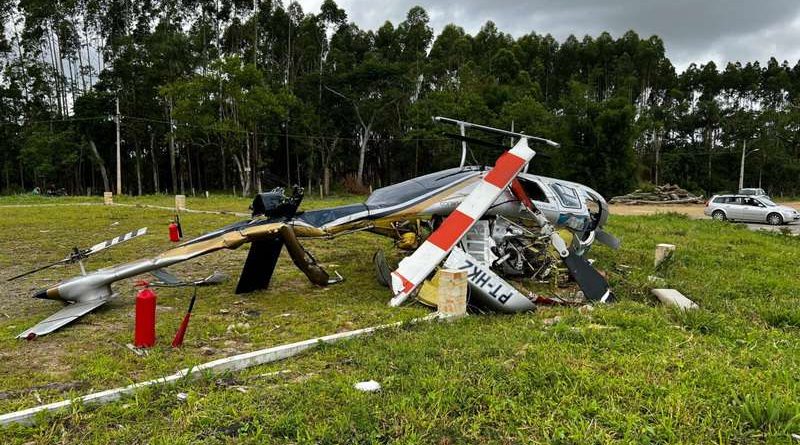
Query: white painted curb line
[233, 363]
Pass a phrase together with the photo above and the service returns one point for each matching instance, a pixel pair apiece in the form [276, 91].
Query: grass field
[632, 372]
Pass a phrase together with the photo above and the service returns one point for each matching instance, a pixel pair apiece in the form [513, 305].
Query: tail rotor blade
[114, 241]
[39, 269]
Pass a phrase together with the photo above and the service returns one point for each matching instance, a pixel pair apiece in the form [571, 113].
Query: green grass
[632, 372]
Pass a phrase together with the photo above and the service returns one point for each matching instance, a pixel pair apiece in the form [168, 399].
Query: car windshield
[767, 202]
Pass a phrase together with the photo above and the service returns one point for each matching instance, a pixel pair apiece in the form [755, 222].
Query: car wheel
[775, 219]
[719, 215]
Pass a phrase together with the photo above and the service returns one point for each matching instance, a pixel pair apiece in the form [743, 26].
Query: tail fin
[260, 265]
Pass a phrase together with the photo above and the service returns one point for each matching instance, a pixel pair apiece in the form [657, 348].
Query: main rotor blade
[114, 241]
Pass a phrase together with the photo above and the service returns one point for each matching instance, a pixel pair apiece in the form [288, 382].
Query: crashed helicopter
[494, 221]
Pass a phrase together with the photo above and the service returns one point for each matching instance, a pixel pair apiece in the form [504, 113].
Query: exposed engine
[510, 249]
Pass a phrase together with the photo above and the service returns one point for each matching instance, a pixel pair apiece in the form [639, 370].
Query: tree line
[245, 95]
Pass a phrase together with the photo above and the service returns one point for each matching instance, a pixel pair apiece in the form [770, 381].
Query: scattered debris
[182, 396]
[656, 280]
[663, 194]
[672, 297]
[138, 351]
[237, 328]
[208, 350]
[551, 321]
[55, 386]
[368, 386]
[280, 373]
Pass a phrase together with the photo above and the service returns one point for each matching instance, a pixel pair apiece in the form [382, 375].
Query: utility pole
[741, 166]
[745, 153]
[119, 156]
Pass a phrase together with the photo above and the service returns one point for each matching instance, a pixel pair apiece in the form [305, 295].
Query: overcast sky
[692, 30]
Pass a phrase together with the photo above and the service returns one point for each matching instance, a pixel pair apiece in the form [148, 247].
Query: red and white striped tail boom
[415, 268]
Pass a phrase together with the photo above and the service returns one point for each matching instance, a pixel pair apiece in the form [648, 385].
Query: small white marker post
[663, 252]
[180, 202]
[452, 293]
[108, 198]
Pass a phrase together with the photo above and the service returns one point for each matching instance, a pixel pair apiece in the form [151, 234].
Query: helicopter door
[536, 192]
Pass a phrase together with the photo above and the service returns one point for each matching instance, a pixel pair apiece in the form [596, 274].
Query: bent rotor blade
[415, 268]
[63, 317]
[114, 241]
[607, 239]
[593, 285]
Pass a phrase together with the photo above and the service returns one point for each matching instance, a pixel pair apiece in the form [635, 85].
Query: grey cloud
[693, 31]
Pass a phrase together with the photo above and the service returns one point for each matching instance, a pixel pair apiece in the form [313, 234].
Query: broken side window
[533, 190]
[567, 195]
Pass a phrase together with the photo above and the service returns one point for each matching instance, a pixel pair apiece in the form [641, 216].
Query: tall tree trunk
[138, 167]
[101, 165]
[362, 151]
[224, 165]
[189, 164]
[327, 153]
[172, 167]
[156, 188]
[242, 165]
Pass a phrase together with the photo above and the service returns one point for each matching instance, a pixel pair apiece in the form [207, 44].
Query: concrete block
[672, 297]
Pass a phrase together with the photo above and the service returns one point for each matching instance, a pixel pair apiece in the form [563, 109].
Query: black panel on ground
[260, 265]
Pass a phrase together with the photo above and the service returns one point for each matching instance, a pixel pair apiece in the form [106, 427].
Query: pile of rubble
[664, 194]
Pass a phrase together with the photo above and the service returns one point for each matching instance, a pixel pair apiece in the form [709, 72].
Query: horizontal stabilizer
[165, 276]
[63, 317]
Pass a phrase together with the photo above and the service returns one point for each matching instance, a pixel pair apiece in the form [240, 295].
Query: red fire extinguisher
[144, 335]
[174, 233]
[175, 229]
